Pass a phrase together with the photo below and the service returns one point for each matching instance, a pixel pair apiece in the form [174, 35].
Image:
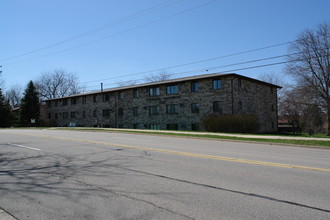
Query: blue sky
[158, 34]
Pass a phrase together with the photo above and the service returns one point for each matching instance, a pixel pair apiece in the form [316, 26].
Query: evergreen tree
[30, 107]
[5, 113]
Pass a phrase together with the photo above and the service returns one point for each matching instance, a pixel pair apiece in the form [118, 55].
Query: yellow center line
[263, 163]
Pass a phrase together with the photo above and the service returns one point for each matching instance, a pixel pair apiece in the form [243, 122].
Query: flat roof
[189, 78]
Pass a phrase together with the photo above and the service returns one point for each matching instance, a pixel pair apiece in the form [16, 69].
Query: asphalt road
[53, 174]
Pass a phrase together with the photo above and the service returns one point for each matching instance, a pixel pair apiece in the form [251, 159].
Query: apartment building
[177, 104]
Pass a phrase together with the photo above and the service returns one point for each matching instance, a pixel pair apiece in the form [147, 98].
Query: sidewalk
[225, 134]
[5, 216]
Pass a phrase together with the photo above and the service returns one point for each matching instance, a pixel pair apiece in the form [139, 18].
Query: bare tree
[14, 95]
[310, 64]
[300, 108]
[127, 83]
[161, 76]
[58, 83]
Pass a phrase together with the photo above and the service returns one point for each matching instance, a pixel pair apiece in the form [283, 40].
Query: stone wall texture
[237, 95]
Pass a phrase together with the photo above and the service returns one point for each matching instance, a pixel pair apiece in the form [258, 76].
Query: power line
[229, 65]
[195, 62]
[101, 28]
[119, 33]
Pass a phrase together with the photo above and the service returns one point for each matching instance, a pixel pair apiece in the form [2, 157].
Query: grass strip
[264, 139]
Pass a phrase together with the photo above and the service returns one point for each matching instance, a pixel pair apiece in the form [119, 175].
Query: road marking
[255, 162]
[22, 146]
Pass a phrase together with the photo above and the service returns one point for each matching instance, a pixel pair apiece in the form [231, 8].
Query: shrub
[231, 123]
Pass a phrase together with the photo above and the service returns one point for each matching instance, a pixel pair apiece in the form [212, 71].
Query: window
[49, 115]
[120, 95]
[195, 127]
[194, 108]
[240, 105]
[135, 93]
[194, 87]
[239, 83]
[84, 114]
[73, 101]
[56, 116]
[135, 111]
[65, 115]
[73, 114]
[217, 107]
[49, 104]
[106, 112]
[172, 126]
[154, 91]
[120, 112]
[217, 84]
[153, 110]
[84, 100]
[154, 126]
[174, 89]
[95, 98]
[65, 102]
[172, 109]
[94, 113]
[56, 103]
[106, 97]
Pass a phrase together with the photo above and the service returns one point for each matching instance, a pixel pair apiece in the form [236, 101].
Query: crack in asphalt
[230, 190]
[130, 197]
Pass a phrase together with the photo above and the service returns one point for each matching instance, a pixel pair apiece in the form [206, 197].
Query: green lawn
[264, 138]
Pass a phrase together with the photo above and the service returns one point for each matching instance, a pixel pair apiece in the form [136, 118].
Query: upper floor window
[135, 111]
[217, 84]
[172, 109]
[239, 83]
[120, 112]
[174, 89]
[194, 86]
[84, 100]
[153, 110]
[49, 104]
[135, 93]
[74, 114]
[73, 101]
[217, 107]
[106, 97]
[94, 98]
[56, 103]
[65, 102]
[195, 108]
[154, 91]
[120, 95]
[65, 115]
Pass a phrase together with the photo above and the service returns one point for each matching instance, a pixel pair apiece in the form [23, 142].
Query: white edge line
[18, 145]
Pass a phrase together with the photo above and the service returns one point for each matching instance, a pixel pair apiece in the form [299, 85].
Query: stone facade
[172, 104]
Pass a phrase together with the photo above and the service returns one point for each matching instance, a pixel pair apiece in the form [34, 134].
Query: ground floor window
[195, 126]
[154, 126]
[172, 126]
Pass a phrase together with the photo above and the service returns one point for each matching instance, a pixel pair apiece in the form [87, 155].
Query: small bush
[231, 123]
